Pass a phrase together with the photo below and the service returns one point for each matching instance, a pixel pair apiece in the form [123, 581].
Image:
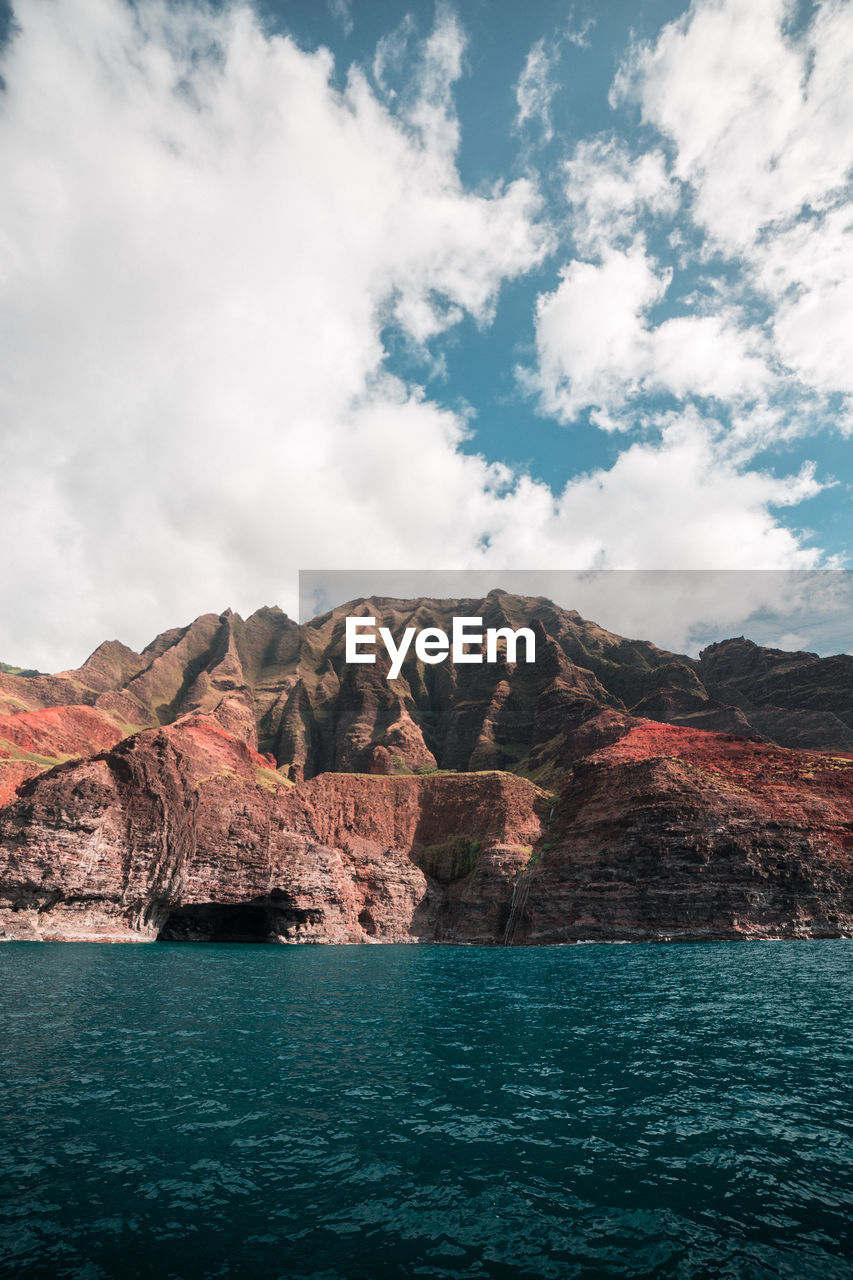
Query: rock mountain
[238, 780]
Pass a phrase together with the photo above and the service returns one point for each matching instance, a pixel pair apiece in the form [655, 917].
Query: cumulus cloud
[432, 110]
[678, 502]
[201, 242]
[758, 113]
[597, 349]
[610, 192]
[589, 331]
[597, 346]
[807, 270]
[760, 118]
[751, 184]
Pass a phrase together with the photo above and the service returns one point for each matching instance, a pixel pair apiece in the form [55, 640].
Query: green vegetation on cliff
[8, 670]
[451, 859]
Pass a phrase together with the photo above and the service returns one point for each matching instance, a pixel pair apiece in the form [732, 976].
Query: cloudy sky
[362, 283]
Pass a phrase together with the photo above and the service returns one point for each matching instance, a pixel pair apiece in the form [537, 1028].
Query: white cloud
[538, 82]
[589, 331]
[391, 56]
[432, 111]
[425, 72]
[579, 35]
[610, 192]
[341, 11]
[596, 344]
[808, 272]
[680, 502]
[758, 169]
[201, 240]
[760, 122]
[707, 356]
[535, 89]
[596, 348]
[760, 119]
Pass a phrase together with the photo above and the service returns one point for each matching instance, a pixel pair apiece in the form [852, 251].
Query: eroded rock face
[683, 834]
[186, 832]
[795, 699]
[175, 825]
[238, 780]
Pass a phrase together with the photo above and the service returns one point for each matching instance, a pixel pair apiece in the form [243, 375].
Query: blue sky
[365, 284]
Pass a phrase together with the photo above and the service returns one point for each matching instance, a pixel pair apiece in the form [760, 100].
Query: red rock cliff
[613, 791]
[175, 827]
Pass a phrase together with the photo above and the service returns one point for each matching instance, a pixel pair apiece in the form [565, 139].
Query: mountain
[239, 779]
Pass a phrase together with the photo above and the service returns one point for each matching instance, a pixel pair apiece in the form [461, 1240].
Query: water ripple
[187, 1112]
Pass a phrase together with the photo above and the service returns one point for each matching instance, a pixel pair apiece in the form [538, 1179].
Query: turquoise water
[246, 1111]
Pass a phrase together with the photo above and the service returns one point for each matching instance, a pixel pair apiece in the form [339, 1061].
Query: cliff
[188, 832]
[237, 780]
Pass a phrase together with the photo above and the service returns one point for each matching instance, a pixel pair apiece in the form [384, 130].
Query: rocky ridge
[237, 780]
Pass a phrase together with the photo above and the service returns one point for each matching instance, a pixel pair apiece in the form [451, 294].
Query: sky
[363, 284]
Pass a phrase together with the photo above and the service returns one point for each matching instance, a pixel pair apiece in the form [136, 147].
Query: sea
[181, 1110]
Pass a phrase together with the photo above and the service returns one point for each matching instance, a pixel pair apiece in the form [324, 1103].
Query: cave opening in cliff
[216, 922]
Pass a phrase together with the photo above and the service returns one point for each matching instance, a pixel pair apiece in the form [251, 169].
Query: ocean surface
[181, 1110]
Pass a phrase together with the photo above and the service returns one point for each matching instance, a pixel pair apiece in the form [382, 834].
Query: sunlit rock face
[238, 781]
